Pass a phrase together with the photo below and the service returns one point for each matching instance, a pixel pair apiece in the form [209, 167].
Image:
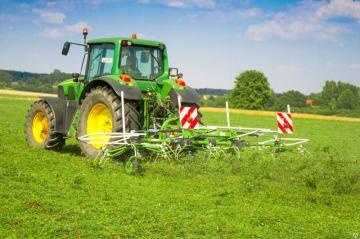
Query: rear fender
[130, 93]
[64, 111]
[189, 96]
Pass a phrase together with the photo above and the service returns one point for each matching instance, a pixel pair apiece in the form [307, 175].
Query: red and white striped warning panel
[189, 117]
[284, 123]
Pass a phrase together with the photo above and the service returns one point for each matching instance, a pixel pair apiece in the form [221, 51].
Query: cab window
[101, 60]
[141, 62]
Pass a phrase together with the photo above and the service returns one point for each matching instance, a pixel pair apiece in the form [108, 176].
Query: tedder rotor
[130, 102]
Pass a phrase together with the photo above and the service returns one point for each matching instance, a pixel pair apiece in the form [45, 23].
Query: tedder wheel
[100, 113]
[40, 127]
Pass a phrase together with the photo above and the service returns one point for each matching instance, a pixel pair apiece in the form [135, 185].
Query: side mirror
[144, 57]
[66, 48]
[173, 72]
[75, 77]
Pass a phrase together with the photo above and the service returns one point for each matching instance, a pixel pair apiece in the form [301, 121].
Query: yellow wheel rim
[99, 122]
[40, 127]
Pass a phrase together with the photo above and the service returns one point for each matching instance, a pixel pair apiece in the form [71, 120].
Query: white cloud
[48, 16]
[305, 20]
[294, 29]
[144, 1]
[340, 8]
[67, 30]
[176, 3]
[355, 66]
[204, 3]
[184, 3]
[52, 17]
[51, 4]
[250, 12]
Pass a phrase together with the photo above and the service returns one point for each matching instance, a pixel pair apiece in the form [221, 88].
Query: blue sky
[297, 44]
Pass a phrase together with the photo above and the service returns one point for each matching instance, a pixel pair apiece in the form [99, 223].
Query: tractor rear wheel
[101, 113]
[40, 127]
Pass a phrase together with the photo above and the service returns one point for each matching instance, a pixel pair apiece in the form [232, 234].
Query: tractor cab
[143, 61]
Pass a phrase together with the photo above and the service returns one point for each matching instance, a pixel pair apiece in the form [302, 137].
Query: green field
[47, 194]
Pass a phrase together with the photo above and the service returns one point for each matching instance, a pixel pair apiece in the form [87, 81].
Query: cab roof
[117, 40]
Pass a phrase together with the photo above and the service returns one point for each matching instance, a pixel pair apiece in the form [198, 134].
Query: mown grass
[257, 195]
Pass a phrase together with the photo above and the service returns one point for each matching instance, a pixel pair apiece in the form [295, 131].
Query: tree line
[252, 91]
[27, 81]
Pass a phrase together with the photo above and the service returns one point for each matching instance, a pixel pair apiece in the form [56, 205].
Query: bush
[293, 98]
[346, 100]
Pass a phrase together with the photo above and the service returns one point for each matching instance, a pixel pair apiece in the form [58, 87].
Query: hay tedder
[130, 103]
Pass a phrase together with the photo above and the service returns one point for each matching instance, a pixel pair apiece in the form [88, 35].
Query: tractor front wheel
[40, 127]
[101, 114]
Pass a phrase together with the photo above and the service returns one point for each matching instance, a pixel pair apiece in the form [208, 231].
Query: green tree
[57, 76]
[251, 90]
[329, 94]
[5, 79]
[342, 86]
[346, 100]
[270, 103]
[333, 90]
[293, 98]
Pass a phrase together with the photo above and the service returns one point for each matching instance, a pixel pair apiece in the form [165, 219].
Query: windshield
[141, 62]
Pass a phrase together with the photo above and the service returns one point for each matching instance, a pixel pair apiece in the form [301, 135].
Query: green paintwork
[69, 85]
[169, 84]
[117, 40]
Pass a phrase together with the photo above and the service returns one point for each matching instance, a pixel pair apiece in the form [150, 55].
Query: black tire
[106, 96]
[53, 140]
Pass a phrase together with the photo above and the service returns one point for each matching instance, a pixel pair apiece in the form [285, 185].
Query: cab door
[101, 60]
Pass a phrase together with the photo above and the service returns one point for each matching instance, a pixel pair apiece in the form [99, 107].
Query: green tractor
[124, 78]
[130, 101]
